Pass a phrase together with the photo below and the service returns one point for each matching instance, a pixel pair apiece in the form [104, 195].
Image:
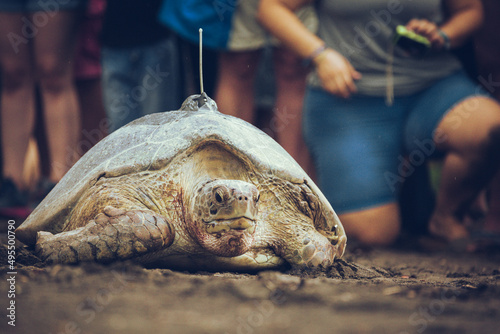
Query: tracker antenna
[201, 61]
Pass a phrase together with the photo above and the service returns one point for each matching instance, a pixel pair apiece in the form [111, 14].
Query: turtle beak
[238, 224]
[241, 224]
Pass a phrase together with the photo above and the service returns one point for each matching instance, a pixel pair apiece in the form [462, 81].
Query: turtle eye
[219, 196]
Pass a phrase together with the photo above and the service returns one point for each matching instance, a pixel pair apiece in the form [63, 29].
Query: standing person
[37, 41]
[88, 74]
[356, 133]
[237, 72]
[139, 60]
[231, 27]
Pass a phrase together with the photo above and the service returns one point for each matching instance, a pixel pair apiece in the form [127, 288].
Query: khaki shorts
[248, 34]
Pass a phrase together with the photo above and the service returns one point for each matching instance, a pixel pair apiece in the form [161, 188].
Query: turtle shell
[151, 143]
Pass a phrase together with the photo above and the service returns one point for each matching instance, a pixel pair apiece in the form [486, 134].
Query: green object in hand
[413, 43]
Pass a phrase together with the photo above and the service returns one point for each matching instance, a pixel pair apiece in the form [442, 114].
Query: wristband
[315, 53]
[446, 39]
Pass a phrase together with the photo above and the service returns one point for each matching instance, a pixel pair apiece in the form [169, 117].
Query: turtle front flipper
[115, 234]
[312, 249]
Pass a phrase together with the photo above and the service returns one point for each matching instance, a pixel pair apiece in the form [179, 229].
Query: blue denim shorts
[21, 6]
[364, 149]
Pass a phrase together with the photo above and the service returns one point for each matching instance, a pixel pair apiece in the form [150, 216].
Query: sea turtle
[192, 189]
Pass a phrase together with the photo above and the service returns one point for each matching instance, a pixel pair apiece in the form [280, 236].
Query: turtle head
[224, 216]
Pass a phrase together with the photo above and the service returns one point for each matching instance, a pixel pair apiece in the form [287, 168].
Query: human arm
[335, 72]
[465, 18]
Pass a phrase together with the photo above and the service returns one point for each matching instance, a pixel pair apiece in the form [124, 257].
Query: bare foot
[447, 228]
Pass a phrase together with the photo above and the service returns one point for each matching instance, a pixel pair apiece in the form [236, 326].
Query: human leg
[470, 135]
[290, 75]
[53, 52]
[139, 80]
[235, 83]
[118, 79]
[161, 77]
[87, 75]
[17, 99]
[93, 116]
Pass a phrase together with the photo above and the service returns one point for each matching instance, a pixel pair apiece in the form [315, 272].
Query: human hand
[429, 30]
[336, 73]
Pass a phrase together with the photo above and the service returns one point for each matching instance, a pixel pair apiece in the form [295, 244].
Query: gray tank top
[361, 30]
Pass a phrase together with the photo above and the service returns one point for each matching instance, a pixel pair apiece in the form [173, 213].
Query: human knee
[15, 76]
[54, 75]
[481, 135]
